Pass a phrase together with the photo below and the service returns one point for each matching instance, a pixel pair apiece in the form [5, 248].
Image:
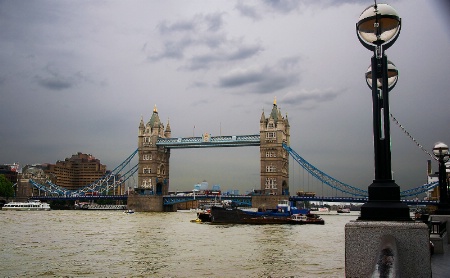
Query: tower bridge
[155, 144]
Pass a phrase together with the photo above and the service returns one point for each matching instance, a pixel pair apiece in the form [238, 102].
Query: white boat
[30, 205]
[343, 210]
[324, 209]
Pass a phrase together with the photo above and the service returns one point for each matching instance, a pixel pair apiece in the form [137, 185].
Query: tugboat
[204, 216]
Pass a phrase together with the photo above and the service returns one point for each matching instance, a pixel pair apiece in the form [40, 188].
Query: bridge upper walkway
[210, 141]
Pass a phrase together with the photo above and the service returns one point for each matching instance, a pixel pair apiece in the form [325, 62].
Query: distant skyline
[77, 76]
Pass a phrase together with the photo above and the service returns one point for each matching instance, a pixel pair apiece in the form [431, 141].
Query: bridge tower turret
[153, 171]
[274, 131]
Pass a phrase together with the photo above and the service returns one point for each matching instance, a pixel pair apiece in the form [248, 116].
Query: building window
[271, 154]
[271, 183]
[271, 168]
[147, 170]
[147, 183]
[270, 125]
[147, 157]
[270, 135]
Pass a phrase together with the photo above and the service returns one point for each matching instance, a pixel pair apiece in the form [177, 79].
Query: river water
[79, 243]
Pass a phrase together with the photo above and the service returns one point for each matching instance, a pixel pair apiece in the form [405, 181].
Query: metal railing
[438, 227]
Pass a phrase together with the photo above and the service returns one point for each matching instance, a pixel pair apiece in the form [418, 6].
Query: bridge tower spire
[274, 131]
[153, 172]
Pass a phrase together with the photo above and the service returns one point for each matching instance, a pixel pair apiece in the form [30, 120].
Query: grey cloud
[214, 22]
[199, 23]
[201, 36]
[180, 26]
[177, 37]
[244, 52]
[264, 80]
[283, 6]
[54, 83]
[310, 98]
[248, 11]
[53, 78]
[204, 61]
[172, 50]
[240, 78]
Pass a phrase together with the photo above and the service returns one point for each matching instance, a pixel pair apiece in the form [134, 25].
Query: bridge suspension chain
[338, 185]
[412, 138]
[324, 177]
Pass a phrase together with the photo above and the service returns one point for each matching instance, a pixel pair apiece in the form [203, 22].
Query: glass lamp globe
[392, 76]
[440, 150]
[378, 24]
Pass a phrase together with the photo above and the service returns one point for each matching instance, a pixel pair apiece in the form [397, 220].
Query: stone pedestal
[362, 247]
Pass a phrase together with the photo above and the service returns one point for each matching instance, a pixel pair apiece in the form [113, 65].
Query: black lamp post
[377, 29]
[440, 150]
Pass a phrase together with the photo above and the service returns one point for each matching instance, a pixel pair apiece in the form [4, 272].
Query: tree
[6, 187]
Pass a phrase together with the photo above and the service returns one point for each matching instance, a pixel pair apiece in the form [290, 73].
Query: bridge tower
[153, 172]
[274, 131]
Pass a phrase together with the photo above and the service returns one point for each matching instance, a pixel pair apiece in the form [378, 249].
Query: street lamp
[377, 29]
[440, 150]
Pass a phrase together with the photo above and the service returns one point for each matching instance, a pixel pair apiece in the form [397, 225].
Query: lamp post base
[384, 203]
[385, 211]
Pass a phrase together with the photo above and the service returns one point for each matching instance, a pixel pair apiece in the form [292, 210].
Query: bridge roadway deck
[243, 199]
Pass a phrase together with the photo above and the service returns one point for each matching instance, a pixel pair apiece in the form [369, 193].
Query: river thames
[80, 243]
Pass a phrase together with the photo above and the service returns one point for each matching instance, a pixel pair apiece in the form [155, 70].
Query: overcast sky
[76, 76]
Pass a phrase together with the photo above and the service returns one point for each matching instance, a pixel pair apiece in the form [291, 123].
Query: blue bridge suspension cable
[109, 181]
[334, 183]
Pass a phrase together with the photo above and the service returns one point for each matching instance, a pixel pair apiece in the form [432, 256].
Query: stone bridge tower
[153, 172]
[274, 131]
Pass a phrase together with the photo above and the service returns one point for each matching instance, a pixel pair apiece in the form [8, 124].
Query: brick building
[77, 171]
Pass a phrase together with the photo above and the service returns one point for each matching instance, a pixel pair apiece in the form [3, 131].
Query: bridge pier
[267, 201]
[148, 203]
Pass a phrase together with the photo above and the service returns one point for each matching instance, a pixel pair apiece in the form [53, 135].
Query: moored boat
[306, 219]
[343, 210]
[94, 206]
[26, 206]
[283, 214]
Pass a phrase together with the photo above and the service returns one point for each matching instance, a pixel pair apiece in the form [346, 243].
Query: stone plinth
[362, 245]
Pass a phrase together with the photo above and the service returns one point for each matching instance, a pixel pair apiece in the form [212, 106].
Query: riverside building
[77, 171]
